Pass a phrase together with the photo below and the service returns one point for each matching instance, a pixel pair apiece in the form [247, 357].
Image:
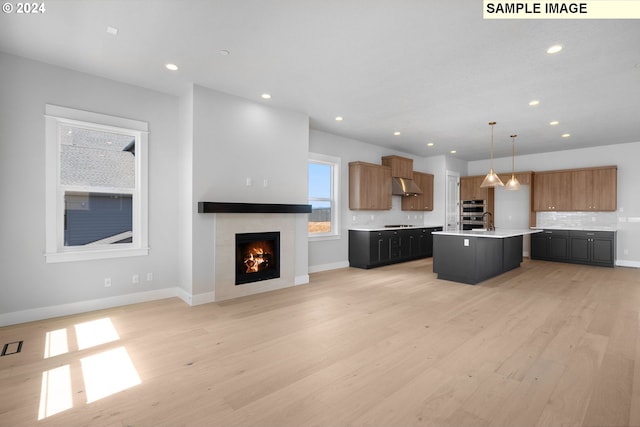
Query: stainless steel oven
[471, 214]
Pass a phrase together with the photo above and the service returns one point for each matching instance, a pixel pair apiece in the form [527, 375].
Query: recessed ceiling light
[555, 48]
[396, 133]
[339, 119]
[566, 135]
[534, 102]
[554, 122]
[453, 151]
[430, 144]
[112, 30]
[265, 96]
[172, 67]
[225, 52]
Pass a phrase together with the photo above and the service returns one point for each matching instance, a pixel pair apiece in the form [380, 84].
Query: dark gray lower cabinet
[369, 249]
[592, 247]
[550, 245]
[575, 246]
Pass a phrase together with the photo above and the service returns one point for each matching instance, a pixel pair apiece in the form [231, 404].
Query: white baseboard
[330, 266]
[85, 306]
[205, 298]
[625, 263]
[301, 280]
[184, 296]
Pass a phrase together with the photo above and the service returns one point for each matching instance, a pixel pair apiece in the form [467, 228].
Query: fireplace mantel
[222, 207]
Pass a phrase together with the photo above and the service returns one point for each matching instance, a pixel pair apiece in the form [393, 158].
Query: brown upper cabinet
[588, 189]
[401, 167]
[594, 189]
[552, 191]
[369, 186]
[420, 202]
[470, 188]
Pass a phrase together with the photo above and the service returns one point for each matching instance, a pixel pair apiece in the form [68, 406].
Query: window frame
[334, 200]
[55, 250]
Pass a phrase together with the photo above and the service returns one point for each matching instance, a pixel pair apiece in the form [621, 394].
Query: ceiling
[434, 71]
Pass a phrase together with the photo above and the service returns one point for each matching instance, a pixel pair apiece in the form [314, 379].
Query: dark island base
[482, 259]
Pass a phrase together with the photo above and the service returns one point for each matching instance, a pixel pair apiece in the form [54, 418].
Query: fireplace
[257, 257]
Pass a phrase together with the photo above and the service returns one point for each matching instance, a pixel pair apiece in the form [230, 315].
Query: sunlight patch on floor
[108, 373]
[55, 394]
[105, 371]
[96, 332]
[56, 343]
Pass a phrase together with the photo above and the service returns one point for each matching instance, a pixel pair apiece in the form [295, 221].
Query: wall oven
[471, 214]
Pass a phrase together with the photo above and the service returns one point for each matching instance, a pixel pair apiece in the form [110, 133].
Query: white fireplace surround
[227, 225]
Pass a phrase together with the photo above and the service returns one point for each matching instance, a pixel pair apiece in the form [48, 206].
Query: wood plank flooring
[547, 344]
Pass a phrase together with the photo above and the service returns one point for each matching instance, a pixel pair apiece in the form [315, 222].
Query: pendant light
[492, 179]
[513, 183]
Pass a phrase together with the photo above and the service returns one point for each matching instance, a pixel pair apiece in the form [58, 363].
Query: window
[323, 195]
[96, 199]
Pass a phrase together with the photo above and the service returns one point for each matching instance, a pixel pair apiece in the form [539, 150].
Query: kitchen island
[472, 256]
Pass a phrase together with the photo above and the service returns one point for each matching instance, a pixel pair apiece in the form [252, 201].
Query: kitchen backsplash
[379, 218]
[577, 219]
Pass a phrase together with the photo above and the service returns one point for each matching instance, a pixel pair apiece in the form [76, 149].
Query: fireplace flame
[256, 259]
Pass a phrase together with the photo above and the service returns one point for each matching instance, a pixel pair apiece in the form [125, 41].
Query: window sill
[94, 254]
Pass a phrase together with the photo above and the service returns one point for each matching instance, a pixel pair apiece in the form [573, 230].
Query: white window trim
[55, 251]
[336, 165]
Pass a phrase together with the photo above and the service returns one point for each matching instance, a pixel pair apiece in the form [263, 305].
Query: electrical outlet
[149, 277]
[135, 278]
[107, 282]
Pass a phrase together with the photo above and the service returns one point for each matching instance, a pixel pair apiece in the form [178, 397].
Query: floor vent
[11, 348]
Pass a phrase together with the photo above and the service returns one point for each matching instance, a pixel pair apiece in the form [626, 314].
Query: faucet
[489, 226]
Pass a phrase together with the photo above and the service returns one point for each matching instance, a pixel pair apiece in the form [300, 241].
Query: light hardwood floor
[547, 344]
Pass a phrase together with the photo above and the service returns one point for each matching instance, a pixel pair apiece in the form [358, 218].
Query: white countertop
[602, 228]
[383, 228]
[496, 234]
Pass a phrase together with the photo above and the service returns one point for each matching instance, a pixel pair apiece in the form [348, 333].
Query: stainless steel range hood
[404, 187]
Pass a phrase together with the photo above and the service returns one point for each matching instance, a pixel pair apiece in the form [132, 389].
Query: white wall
[235, 139]
[625, 156]
[185, 196]
[29, 287]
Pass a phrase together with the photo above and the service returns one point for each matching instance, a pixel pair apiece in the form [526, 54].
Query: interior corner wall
[31, 288]
[185, 198]
[244, 151]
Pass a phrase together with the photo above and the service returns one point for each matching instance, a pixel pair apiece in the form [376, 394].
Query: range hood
[404, 187]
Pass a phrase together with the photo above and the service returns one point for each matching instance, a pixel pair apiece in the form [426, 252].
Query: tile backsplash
[577, 219]
[379, 218]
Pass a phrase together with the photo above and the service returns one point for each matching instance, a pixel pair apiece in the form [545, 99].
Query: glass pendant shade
[513, 183]
[492, 179]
